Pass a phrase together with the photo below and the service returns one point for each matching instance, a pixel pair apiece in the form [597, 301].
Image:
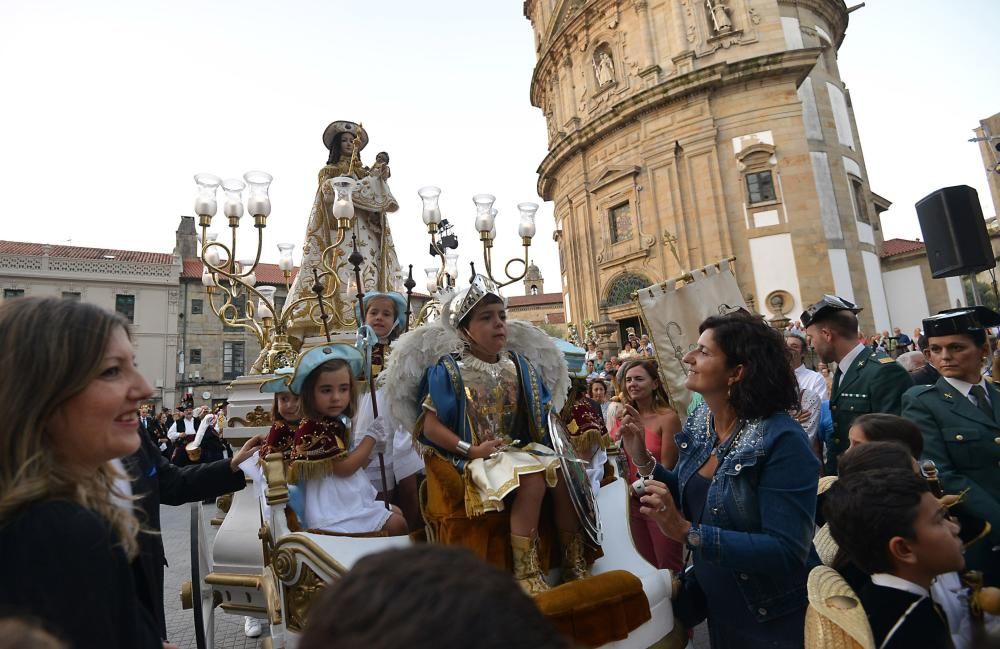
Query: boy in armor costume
[481, 414]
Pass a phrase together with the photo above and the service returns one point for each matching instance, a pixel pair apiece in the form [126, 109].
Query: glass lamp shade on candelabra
[431, 213]
[258, 202]
[205, 204]
[484, 212]
[526, 227]
[233, 207]
[265, 301]
[209, 252]
[343, 201]
[451, 265]
[432, 279]
[285, 262]
[247, 274]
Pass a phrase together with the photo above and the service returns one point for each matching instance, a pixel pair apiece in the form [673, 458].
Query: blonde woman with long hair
[69, 394]
[645, 398]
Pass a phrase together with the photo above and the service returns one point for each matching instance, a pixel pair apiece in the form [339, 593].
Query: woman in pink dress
[644, 392]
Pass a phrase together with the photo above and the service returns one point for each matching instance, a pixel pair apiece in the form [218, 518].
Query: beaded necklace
[722, 450]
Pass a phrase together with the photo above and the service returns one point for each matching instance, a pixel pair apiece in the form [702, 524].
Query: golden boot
[574, 565]
[527, 570]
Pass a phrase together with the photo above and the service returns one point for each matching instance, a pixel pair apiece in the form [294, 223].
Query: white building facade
[142, 286]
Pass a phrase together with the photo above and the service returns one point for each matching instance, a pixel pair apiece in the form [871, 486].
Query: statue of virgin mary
[380, 270]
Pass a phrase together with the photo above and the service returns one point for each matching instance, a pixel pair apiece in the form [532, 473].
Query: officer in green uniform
[959, 417]
[865, 381]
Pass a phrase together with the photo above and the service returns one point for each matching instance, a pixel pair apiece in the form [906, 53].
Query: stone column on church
[645, 28]
[678, 33]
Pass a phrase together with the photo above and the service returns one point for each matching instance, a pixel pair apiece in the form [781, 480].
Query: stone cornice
[557, 41]
[793, 63]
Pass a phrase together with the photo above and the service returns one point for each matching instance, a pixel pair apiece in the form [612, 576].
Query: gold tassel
[586, 442]
[312, 469]
[473, 503]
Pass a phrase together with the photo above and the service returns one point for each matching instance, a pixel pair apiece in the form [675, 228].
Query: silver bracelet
[463, 448]
[652, 466]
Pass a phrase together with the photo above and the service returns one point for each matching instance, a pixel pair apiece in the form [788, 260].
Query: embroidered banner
[672, 314]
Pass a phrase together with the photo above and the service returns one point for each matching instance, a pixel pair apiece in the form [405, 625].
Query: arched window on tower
[621, 288]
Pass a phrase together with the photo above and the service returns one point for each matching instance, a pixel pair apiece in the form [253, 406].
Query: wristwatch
[693, 539]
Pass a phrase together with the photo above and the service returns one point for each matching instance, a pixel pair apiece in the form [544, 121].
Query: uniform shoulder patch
[886, 360]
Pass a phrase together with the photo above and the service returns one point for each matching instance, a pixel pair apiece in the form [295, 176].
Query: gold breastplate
[491, 392]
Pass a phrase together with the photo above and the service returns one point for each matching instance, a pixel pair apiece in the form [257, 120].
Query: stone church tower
[682, 132]
[534, 283]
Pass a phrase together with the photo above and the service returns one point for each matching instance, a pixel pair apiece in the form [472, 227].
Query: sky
[110, 107]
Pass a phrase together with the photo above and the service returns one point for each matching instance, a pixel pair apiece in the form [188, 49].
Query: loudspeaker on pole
[951, 221]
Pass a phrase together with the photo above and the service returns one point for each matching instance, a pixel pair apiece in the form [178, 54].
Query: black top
[64, 567]
[925, 625]
[156, 481]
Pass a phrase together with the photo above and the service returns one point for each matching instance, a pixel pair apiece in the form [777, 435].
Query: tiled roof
[893, 247]
[77, 252]
[266, 273]
[533, 300]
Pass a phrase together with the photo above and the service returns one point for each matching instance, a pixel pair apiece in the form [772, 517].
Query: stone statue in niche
[604, 68]
[720, 16]
[550, 118]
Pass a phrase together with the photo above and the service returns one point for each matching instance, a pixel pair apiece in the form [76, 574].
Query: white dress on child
[340, 504]
[345, 505]
[401, 457]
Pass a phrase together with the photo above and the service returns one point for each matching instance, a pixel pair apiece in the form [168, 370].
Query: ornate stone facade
[682, 132]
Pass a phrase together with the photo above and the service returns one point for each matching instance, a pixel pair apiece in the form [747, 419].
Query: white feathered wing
[534, 344]
[411, 355]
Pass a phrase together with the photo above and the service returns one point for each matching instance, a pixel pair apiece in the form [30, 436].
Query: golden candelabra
[234, 281]
[486, 225]
[443, 278]
[231, 282]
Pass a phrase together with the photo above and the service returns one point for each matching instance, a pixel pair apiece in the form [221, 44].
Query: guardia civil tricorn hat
[828, 305]
[966, 320]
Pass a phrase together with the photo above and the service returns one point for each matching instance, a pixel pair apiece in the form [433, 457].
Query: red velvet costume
[317, 445]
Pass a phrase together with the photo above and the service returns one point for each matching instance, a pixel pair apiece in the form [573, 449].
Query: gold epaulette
[886, 360]
[835, 617]
[826, 547]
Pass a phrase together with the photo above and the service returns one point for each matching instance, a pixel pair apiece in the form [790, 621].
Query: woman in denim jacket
[743, 494]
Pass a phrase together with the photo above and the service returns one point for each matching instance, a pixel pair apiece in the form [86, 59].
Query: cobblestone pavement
[228, 628]
[175, 526]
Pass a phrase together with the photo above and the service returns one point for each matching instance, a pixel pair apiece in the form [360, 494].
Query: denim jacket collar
[697, 441]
